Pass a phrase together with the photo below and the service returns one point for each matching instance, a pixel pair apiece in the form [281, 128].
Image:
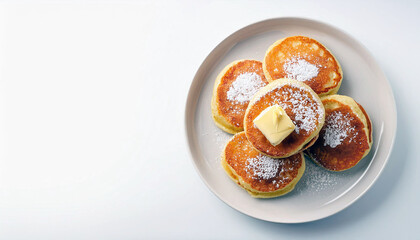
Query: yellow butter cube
[274, 123]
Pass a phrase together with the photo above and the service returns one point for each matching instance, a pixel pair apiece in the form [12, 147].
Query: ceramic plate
[319, 193]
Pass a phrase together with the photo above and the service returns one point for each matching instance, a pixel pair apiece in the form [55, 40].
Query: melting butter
[274, 124]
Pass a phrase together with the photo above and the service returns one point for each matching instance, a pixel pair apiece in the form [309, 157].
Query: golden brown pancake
[301, 104]
[233, 89]
[260, 175]
[304, 59]
[346, 136]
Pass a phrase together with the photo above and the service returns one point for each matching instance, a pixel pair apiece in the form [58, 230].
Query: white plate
[319, 193]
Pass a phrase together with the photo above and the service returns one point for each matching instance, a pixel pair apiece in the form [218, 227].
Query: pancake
[304, 59]
[346, 137]
[301, 104]
[309, 144]
[233, 88]
[260, 175]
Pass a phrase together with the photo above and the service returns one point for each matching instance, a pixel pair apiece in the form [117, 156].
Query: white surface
[80, 153]
[319, 193]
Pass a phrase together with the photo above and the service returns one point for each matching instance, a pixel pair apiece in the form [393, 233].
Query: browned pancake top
[234, 111]
[309, 50]
[302, 108]
[263, 173]
[342, 141]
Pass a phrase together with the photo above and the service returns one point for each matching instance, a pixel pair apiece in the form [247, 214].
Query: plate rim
[190, 108]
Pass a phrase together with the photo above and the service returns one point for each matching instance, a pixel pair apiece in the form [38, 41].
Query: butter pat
[274, 123]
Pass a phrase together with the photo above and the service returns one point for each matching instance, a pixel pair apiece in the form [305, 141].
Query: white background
[92, 97]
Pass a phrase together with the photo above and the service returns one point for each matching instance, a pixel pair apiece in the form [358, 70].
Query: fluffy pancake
[260, 175]
[346, 136]
[304, 59]
[301, 104]
[233, 88]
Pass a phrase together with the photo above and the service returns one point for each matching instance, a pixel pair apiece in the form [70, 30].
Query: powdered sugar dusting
[244, 87]
[337, 128]
[307, 112]
[300, 69]
[317, 180]
[219, 141]
[263, 167]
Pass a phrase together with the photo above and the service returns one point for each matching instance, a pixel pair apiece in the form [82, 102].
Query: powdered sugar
[221, 137]
[317, 180]
[337, 128]
[263, 167]
[244, 87]
[307, 112]
[300, 69]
